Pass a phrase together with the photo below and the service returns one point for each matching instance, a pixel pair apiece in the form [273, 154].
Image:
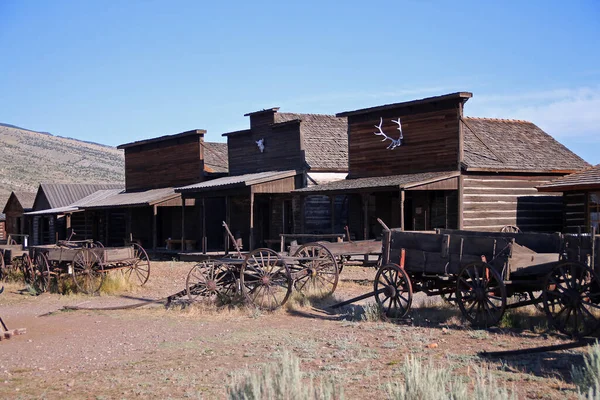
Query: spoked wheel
[539, 298]
[88, 273]
[211, 281]
[449, 298]
[265, 280]
[139, 271]
[320, 268]
[571, 299]
[42, 272]
[481, 294]
[27, 269]
[395, 298]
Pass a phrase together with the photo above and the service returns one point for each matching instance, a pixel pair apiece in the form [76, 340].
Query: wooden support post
[460, 202]
[302, 216]
[365, 207]
[154, 227]
[128, 231]
[251, 244]
[332, 212]
[106, 227]
[182, 223]
[402, 199]
[228, 222]
[204, 243]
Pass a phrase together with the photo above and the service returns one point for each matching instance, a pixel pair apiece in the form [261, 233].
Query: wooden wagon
[482, 270]
[14, 255]
[264, 277]
[87, 262]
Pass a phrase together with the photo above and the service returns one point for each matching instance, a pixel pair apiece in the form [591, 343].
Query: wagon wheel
[539, 305]
[321, 269]
[2, 266]
[27, 269]
[396, 298]
[571, 299]
[88, 273]
[449, 298]
[211, 280]
[510, 229]
[481, 294]
[42, 272]
[139, 271]
[265, 280]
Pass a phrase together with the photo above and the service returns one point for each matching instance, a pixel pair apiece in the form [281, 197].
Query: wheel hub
[479, 294]
[390, 291]
[211, 285]
[265, 280]
[574, 298]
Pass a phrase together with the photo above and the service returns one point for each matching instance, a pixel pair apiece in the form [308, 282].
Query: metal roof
[405, 181]
[94, 197]
[130, 199]
[65, 194]
[236, 181]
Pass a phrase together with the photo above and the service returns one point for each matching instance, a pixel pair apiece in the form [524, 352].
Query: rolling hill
[28, 158]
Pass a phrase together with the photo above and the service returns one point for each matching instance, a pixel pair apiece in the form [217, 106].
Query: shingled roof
[325, 139]
[64, 194]
[582, 180]
[514, 145]
[215, 157]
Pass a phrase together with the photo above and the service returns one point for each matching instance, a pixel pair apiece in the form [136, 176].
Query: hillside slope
[28, 158]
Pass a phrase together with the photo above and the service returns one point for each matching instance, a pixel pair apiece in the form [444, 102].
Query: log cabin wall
[431, 140]
[177, 161]
[491, 201]
[574, 212]
[282, 151]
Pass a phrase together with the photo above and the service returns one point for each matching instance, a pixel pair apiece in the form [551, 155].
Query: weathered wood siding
[431, 141]
[574, 216]
[493, 201]
[2, 230]
[282, 149]
[176, 162]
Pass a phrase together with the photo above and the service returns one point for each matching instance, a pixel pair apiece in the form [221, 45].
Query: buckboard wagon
[484, 269]
[263, 277]
[15, 256]
[87, 262]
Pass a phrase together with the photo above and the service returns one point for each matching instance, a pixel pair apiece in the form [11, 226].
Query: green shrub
[281, 381]
[587, 377]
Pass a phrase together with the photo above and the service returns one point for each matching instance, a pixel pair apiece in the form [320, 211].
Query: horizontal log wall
[575, 209]
[282, 150]
[176, 162]
[431, 141]
[493, 201]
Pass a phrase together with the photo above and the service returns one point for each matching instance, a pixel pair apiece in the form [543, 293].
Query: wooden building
[16, 206]
[45, 221]
[2, 227]
[581, 199]
[149, 211]
[422, 165]
[280, 152]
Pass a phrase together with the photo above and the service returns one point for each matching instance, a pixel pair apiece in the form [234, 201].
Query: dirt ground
[193, 352]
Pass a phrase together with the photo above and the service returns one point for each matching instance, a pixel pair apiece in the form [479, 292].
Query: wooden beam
[461, 186]
[365, 207]
[227, 221]
[402, 199]
[154, 227]
[251, 245]
[204, 240]
[182, 223]
[332, 212]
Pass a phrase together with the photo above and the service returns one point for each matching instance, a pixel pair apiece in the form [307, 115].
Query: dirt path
[152, 352]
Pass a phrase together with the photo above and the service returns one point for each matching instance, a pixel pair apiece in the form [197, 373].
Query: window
[594, 208]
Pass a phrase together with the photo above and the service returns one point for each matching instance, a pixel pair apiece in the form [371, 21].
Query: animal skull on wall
[261, 144]
[395, 142]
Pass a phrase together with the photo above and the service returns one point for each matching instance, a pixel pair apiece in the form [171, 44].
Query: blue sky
[115, 72]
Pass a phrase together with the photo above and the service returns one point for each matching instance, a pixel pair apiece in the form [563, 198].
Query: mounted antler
[395, 142]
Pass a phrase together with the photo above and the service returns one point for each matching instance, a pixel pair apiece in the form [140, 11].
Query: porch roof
[393, 182]
[230, 182]
[588, 179]
[94, 197]
[133, 199]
